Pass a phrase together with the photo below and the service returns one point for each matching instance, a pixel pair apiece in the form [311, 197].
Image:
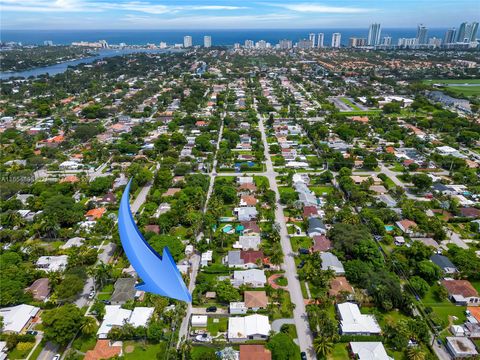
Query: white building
[369, 350]
[16, 318]
[206, 258]
[115, 316]
[187, 41]
[247, 242]
[252, 327]
[353, 322]
[207, 41]
[199, 320]
[237, 308]
[331, 262]
[52, 263]
[252, 277]
[461, 347]
[336, 40]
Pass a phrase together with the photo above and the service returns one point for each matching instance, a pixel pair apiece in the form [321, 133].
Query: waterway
[63, 66]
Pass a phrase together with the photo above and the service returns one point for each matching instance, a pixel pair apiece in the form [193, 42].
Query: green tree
[89, 326]
[62, 323]
[422, 181]
[226, 293]
[323, 346]
[283, 348]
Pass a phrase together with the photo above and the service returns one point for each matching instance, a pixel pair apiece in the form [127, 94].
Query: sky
[226, 14]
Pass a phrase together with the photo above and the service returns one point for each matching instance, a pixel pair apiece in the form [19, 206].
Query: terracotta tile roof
[252, 226]
[309, 211]
[321, 243]
[251, 256]
[96, 213]
[249, 200]
[69, 179]
[247, 186]
[103, 350]
[40, 289]
[339, 284]
[171, 191]
[255, 299]
[153, 228]
[254, 352]
[475, 311]
[460, 287]
[470, 212]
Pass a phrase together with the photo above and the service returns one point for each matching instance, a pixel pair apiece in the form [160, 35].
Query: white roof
[16, 317]
[353, 321]
[369, 350]
[52, 263]
[114, 316]
[237, 305]
[249, 241]
[331, 262]
[242, 327]
[75, 241]
[199, 320]
[250, 276]
[140, 316]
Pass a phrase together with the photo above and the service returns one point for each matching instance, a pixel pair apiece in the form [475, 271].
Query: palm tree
[415, 353]
[89, 326]
[323, 346]
[102, 273]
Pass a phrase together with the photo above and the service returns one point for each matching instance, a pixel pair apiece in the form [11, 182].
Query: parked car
[32, 332]
[56, 357]
[303, 356]
[211, 309]
[91, 295]
[303, 251]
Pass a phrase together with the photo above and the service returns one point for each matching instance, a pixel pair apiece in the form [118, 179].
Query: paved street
[305, 339]
[48, 352]
[195, 260]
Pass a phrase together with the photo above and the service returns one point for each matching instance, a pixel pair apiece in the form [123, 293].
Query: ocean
[219, 37]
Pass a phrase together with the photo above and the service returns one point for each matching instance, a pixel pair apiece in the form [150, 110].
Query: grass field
[361, 112]
[214, 327]
[140, 352]
[319, 190]
[349, 103]
[444, 309]
[340, 352]
[464, 90]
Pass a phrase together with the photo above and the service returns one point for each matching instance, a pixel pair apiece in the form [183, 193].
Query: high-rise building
[374, 33]
[320, 37]
[422, 32]
[207, 41]
[249, 44]
[48, 43]
[187, 41]
[163, 45]
[311, 37]
[261, 44]
[304, 44]
[285, 44]
[357, 42]
[435, 42]
[471, 34]
[236, 46]
[461, 32]
[336, 40]
[407, 42]
[449, 36]
[387, 41]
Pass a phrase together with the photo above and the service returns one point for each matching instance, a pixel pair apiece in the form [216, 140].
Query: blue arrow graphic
[160, 274]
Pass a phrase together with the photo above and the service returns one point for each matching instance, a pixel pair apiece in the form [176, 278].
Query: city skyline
[189, 14]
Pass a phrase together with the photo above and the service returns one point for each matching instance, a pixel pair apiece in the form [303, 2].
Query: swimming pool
[389, 227]
[227, 228]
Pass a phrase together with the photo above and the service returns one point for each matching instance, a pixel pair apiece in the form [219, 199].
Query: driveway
[277, 324]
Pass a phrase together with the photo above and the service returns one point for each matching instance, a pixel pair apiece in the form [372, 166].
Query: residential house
[254, 352]
[338, 286]
[252, 278]
[115, 316]
[248, 200]
[353, 322]
[369, 350]
[461, 347]
[246, 213]
[444, 263]
[469, 212]
[407, 226]
[310, 211]
[40, 289]
[321, 243]
[255, 300]
[73, 242]
[237, 308]
[199, 320]
[52, 263]
[124, 290]
[251, 327]
[250, 228]
[331, 262]
[249, 242]
[206, 258]
[461, 292]
[104, 349]
[316, 227]
[17, 318]
[95, 214]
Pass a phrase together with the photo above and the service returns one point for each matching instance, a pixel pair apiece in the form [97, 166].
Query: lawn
[443, 309]
[149, 351]
[397, 167]
[84, 343]
[284, 310]
[349, 103]
[476, 285]
[282, 281]
[465, 90]
[300, 242]
[340, 352]
[361, 112]
[320, 190]
[216, 325]
[389, 184]
[18, 354]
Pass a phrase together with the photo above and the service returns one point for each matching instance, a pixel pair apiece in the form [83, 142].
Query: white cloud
[319, 8]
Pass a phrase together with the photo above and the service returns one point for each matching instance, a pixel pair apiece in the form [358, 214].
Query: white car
[91, 295]
[56, 357]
